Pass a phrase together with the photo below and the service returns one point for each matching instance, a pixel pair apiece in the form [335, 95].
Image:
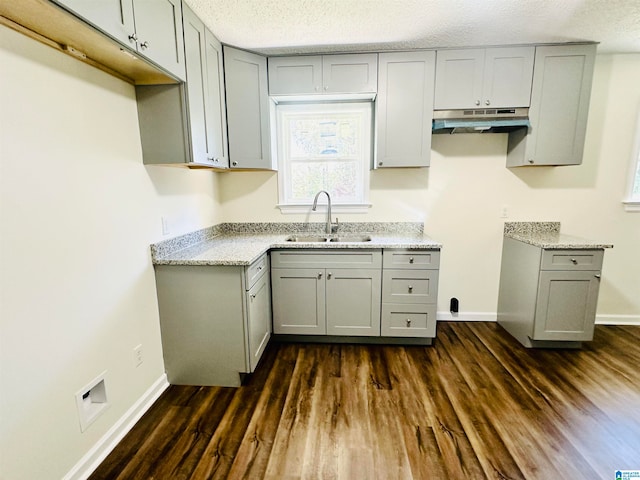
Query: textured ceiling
[303, 26]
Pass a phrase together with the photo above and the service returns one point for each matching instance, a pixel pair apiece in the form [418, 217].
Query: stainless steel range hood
[489, 120]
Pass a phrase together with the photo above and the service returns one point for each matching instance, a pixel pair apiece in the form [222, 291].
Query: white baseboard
[617, 319]
[115, 434]
[467, 316]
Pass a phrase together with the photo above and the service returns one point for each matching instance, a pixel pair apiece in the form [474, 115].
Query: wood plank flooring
[474, 405]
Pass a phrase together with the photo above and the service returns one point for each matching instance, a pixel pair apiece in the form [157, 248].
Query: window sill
[631, 206]
[355, 208]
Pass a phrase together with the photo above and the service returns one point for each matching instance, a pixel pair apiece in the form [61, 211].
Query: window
[324, 146]
[632, 201]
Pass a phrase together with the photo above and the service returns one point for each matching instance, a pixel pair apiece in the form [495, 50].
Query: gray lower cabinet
[409, 293]
[248, 110]
[215, 321]
[560, 96]
[548, 297]
[151, 28]
[326, 293]
[404, 109]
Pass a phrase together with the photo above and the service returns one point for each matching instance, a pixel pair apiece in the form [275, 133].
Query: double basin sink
[329, 238]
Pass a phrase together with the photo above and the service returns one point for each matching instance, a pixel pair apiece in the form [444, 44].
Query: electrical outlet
[137, 355]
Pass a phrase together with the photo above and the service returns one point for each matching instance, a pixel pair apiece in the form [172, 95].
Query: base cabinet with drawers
[548, 297]
[326, 293]
[409, 293]
[215, 321]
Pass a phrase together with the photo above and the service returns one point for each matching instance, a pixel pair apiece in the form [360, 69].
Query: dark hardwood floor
[474, 405]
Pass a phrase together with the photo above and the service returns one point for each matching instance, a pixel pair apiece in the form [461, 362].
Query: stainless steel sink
[326, 238]
[351, 238]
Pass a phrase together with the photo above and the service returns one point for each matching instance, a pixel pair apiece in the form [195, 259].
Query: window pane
[315, 136]
[340, 179]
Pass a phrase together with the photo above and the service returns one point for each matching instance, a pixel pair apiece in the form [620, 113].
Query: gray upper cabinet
[404, 109]
[153, 28]
[248, 116]
[323, 74]
[559, 109]
[492, 77]
[205, 93]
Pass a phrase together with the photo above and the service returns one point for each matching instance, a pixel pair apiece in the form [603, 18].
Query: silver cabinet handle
[145, 44]
[253, 295]
[531, 160]
[574, 261]
[410, 259]
[487, 102]
[408, 322]
[133, 38]
[217, 160]
[329, 275]
[260, 268]
[319, 275]
[477, 102]
[597, 275]
[234, 164]
[410, 288]
[379, 164]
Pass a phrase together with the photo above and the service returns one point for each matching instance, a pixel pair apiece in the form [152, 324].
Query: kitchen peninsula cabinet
[326, 293]
[548, 297]
[404, 109]
[215, 321]
[559, 109]
[151, 28]
[480, 78]
[323, 74]
[248, 112]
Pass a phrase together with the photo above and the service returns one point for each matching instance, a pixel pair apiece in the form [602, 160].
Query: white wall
[78, 211]
[460, 198]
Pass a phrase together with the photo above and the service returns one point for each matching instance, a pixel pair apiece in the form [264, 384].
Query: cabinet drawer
[401, 320]
[256, 270]
[406, 286]
[572, 259]
[316, 258]
[412, 259]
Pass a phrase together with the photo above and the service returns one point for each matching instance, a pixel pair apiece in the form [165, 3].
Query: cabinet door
[459, 76]
[247, 109]
[353, 302]
[508, 73]
[404, 109]
[114, 17]
[560, 96]
[258, 319]
[159, 31]
[298, 301]
[566, 305]
[215, 103]
[356, 73]
[295, 75]
[194, 44]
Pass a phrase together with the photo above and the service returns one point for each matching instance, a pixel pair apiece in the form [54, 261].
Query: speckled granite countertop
[547, 235]
[242, 244]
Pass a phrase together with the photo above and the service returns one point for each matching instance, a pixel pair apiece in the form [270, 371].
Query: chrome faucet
[331, 228]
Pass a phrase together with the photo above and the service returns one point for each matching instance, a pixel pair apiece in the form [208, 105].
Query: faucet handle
[334, 227]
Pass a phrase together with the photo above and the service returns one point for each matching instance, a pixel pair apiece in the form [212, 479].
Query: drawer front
[256, 270]
[572, 259]
[412, 259]
[317, 258]
[406, 286]
[402, 320]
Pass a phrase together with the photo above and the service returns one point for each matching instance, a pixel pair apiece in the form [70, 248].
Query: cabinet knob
[217, 160]
[253, 295]
[329, 275]
[574, 261]
[260, 268]
[410, 289]
[133, 38]
[477, 102]
[408, 322]
[319, 275]
[531, 160]
[410, 259]
[597, 275]
[235, 164]
[379, 164]
[326, 87]
[487, 102]
[144, 45]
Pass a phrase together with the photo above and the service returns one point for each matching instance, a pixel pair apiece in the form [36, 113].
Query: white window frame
[632, 204]
[283, 170]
